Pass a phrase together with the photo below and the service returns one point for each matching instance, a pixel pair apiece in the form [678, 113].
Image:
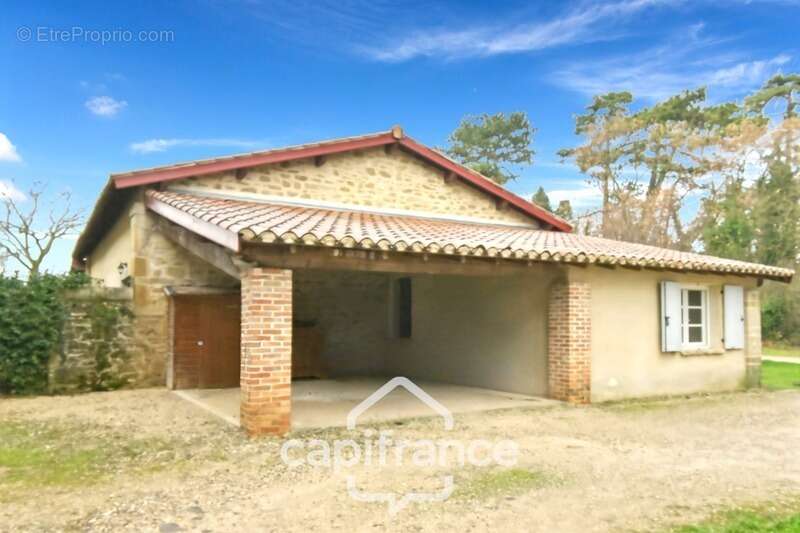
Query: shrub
[32, 315]
[780, 314]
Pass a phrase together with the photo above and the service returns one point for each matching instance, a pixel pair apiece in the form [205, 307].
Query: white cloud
[748, 73]
[9, 191]
[8, 152]
[162, 145]
[577, 26]
[686, 62]
[105, 106]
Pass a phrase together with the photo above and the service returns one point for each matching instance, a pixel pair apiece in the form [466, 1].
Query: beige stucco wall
[116, 247]
[370, 178]
[626, 340]
[477, 331]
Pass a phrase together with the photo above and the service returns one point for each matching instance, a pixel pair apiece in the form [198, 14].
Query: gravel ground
[618, 467]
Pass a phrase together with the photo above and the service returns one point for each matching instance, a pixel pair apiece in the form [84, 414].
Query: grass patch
[783, 350]
[41, 455]
[498, 483]
[776, 376]
[746, 521]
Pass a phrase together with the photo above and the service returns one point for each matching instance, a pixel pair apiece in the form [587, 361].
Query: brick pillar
[752, 334]
[266, 376]
[569, 329]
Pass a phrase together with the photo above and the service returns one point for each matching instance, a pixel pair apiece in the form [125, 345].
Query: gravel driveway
[642, 466]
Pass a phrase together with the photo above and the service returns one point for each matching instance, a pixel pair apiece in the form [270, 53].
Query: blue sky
[218, 77]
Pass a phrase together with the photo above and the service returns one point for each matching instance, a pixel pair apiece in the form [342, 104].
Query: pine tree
[776, 212]
[564, 210]
[728, 225]
[493, 144]
[542, 200]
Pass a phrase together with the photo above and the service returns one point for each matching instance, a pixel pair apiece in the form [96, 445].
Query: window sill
[701, 351]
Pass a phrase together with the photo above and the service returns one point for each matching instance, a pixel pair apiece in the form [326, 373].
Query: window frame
[401, 307]
[705, 325]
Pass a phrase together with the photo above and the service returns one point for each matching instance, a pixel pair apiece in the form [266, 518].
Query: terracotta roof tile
[316, 226]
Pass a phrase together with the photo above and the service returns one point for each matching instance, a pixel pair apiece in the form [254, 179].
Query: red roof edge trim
[212, 166]
[486, 184]
[122, 181]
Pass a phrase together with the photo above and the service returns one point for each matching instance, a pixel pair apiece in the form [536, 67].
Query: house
[376, 255]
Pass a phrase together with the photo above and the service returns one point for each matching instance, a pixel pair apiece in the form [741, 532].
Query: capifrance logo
[378, 449]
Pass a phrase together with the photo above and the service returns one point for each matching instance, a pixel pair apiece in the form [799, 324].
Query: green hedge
[780, 313]
[32, 315]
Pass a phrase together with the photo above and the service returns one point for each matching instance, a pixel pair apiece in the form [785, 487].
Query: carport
[322, 320]
[473, 342]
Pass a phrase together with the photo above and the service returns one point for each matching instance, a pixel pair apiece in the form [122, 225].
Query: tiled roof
[246, 155]
[258, 221]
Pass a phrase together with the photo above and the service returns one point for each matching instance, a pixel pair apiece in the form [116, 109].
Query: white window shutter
[733, 299]
[670, 316]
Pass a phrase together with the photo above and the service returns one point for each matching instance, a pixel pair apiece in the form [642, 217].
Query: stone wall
[71, 368]
[350, 310]
[752, 309]
[159, 263]
[370, 178]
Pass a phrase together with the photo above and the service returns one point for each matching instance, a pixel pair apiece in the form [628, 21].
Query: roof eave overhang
[207, 230]
[103, 215]
[221, 228]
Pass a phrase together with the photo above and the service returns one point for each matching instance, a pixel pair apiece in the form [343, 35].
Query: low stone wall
[95, 351]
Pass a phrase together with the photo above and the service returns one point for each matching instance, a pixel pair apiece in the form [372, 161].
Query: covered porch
[305, 345]
[324, 316]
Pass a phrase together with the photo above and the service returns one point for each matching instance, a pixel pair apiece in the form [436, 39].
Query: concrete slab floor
[326, 402]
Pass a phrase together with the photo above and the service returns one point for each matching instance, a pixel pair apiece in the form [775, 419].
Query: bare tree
[29, 228]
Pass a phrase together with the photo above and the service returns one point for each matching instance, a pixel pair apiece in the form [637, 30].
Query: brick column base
[266, 371]
[752, 333]
[569, 329]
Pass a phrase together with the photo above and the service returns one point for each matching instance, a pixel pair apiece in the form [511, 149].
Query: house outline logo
[388, 387]
[395, 502]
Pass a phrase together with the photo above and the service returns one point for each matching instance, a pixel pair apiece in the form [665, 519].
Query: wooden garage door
[206, 340]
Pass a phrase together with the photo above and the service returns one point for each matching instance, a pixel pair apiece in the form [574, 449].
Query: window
[401, 308]
[694, 317]
[684, 317]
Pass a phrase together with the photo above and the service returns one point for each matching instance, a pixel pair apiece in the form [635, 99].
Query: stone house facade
[377, 255]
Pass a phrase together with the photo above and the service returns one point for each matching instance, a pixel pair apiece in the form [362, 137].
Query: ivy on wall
[107, 351]
[33, 316]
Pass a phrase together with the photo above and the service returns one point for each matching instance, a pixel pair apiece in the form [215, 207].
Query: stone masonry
[752, 336]
[158, 263]
[266, 371]
[370, 178]
[569, 326]
[70, 369]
